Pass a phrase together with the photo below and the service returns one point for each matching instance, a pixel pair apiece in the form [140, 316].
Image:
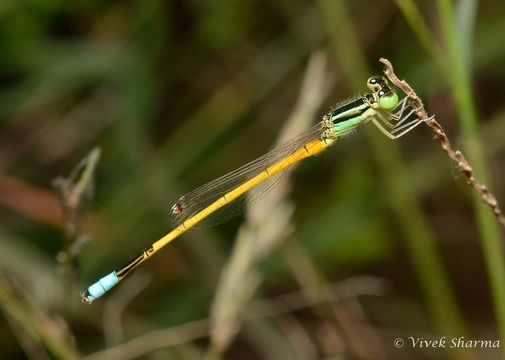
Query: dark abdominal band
[339, 115]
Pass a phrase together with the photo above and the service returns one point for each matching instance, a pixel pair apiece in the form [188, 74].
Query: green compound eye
[389, 101]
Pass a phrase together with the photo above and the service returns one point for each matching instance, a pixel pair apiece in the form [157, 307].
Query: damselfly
[225, 197]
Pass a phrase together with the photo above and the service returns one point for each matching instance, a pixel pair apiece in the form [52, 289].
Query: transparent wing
[197, 200]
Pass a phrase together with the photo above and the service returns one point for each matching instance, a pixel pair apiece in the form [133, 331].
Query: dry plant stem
[73, 190]
[35, 322]
[281, 305]
[298, 336]
[117, 303]
[31, 345]
[349, 316]
[455, 155]
[265, 228]
[75, 187]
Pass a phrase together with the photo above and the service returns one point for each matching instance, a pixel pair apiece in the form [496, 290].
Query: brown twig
[455, 155]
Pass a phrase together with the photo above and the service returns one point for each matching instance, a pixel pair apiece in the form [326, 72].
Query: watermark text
[444, 342]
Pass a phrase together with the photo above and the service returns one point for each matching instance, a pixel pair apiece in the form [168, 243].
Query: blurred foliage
[384, 240]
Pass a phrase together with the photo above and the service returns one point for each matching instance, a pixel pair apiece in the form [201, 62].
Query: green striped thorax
[346, 117]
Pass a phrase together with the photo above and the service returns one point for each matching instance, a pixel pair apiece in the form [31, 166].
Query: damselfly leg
[397, 116]
[405, 118]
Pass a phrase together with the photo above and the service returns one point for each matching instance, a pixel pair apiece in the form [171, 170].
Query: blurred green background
[371, 241]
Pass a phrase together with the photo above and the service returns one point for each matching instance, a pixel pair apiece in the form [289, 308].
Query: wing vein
[192, 203]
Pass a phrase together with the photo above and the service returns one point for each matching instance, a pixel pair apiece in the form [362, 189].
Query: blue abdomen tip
[102, 286]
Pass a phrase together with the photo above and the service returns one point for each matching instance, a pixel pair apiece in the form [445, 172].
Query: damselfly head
[376, 82]
[384, 96]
